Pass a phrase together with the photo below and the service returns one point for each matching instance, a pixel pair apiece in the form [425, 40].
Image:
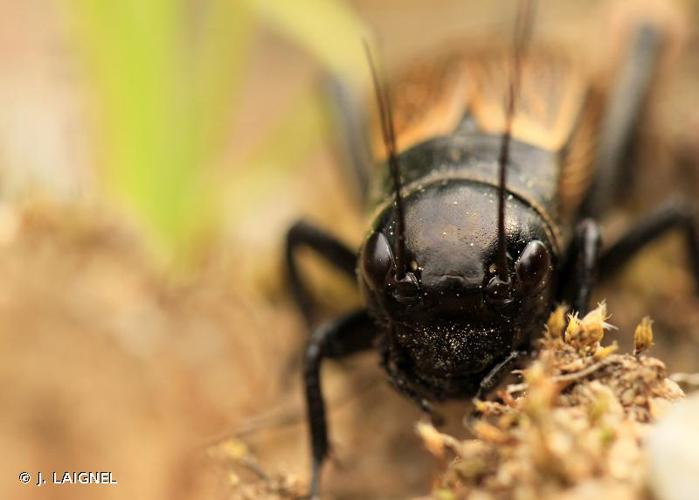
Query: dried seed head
[589, 331]
[603, 352]
[432, 438]
[573, 330]
[556, 322]
[643, 336]
[595, 323]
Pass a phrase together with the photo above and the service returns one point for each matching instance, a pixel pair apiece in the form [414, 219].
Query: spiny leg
[303, 234]
[580, 269]
[491, 380]
[497, 373]
[625, 106]
[674, 215]
[347, 335]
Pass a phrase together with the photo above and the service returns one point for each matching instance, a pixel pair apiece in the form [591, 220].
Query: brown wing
[427, 100]
[551, 96]
[557, 109]
[431, 98]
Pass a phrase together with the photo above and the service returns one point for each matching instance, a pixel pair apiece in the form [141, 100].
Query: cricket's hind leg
[303, 234]
[618, 130]
[619, 126]
[673, 215]
[347, 335]
[586, 262]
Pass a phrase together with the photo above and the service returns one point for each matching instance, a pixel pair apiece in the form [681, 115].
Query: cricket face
[450, 312]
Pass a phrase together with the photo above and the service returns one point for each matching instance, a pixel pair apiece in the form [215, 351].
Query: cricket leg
[674, 215]
[491, 380]
[497, 373]
[347, 335]
[303, 234]
[620, 123]
[580, 269]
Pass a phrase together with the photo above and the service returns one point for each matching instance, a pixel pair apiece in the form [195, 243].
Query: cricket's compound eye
[533, 266]
[376, 261]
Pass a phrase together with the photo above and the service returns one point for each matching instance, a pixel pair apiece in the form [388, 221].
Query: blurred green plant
[169, 74]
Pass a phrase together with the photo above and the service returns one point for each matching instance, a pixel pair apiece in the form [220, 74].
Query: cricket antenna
[523, 28]
[389, 139]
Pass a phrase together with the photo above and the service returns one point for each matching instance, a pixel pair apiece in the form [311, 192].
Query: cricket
[492, 170]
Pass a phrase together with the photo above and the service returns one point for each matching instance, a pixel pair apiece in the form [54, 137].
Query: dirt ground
[109, 362]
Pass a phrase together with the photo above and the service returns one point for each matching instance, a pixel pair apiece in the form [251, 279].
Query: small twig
[514, 388]
[688, 379]
[570, 377]
[567, 378]
[276, 486]
[251, 464]
[289, 413]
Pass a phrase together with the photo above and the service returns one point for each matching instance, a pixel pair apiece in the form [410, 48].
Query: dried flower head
[595, 323]
[643, 336]
[606, 351]
[557, 322]
[573, 428]
[573, 330]
[431, 438]
[588, 332]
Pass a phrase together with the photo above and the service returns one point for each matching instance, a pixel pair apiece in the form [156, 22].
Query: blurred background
[152, 155]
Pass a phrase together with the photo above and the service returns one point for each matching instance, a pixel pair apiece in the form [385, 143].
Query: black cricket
[463, 262]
